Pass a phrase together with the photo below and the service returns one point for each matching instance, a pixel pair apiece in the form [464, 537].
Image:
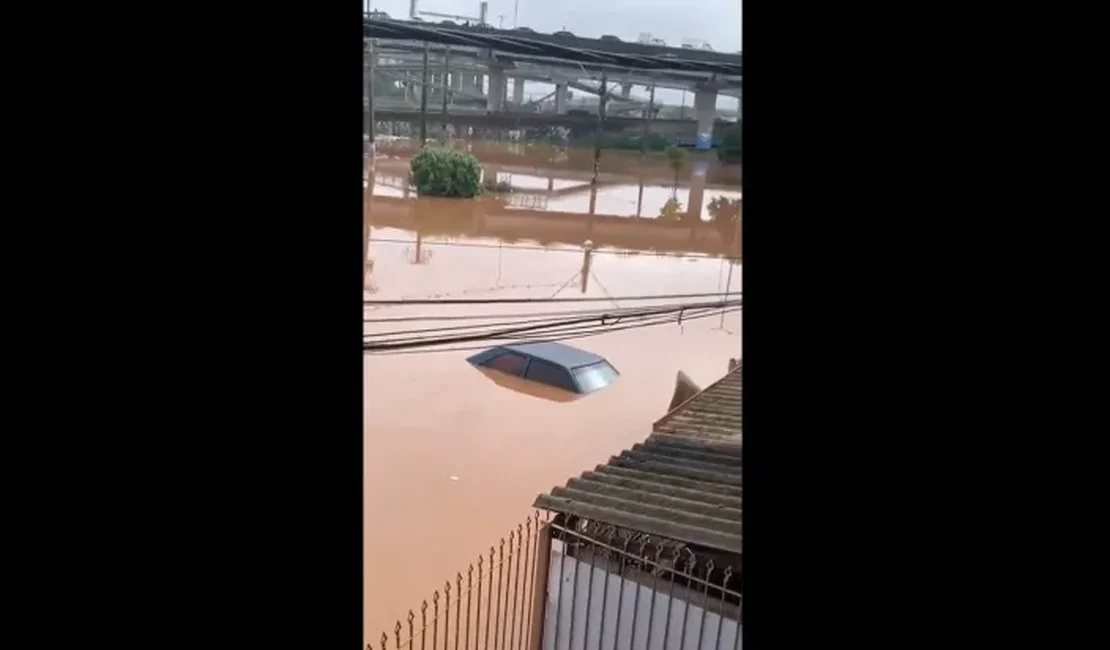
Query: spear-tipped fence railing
[490, 606]
[615, 589]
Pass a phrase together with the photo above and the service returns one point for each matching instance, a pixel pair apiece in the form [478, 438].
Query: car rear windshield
[595, 376]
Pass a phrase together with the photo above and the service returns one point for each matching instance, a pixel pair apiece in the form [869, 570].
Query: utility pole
[516, 6]
[424, 100]
[446, 82]
[370, 91]
[597, 134]
[368, 191]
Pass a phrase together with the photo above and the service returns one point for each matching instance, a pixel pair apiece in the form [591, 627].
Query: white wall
[573, 570]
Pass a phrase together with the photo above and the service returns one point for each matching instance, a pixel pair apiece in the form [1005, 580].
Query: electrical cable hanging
[432, 348]
[513, 331]
[489, 316]
[523, 318]
[612, 314]
[597, 331]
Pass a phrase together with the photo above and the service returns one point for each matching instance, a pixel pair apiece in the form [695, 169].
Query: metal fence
[613, 589]
[491, 607]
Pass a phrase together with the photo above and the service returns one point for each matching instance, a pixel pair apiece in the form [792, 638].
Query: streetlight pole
[424, 100]
[446, 82]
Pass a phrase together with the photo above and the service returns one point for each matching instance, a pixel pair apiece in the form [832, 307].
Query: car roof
[557, 353]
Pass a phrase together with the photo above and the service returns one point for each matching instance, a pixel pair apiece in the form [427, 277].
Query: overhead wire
[610, 314]
[596, 331]
[489, 316]
[430, 349]
[646, 321]
[516, 331]
[541, 317]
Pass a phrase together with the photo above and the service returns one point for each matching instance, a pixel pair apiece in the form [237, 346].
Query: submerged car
[573, 372]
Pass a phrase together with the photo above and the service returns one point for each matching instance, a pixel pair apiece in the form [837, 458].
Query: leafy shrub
[443, 172]
[671, 210]
[724, 210]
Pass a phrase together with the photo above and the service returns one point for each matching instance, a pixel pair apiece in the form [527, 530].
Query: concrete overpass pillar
[495, 100]
[696, 198]
[705, 110]
[456, 80]
[518, 91]
[626, 89]
[470, 83]
[561, 99]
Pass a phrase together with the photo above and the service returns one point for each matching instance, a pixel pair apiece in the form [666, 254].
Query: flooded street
[453, 460]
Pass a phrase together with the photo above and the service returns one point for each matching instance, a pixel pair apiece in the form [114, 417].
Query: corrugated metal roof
[715, 413]
[682, 483]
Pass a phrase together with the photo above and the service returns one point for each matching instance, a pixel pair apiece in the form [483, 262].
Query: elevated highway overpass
[499, 50]
[684, 131]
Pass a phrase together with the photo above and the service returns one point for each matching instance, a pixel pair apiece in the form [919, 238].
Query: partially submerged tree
[438, 171]
[676, 160]
[671, 210]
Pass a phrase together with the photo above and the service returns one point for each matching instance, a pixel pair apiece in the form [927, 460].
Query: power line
[487, 316]
[515, 331]
[587, 329]
[518, 318]
[507, 301]
[603, 315]
[607, 330]
[595, 331]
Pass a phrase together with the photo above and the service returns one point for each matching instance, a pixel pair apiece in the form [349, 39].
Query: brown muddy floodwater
[453, 460]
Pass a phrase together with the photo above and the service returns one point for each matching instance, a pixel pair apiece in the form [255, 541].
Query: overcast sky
[715, 21]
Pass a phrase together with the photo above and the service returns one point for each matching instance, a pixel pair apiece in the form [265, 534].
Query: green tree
[725, 214]
[437, 171]
[676, 160]
[724, 210]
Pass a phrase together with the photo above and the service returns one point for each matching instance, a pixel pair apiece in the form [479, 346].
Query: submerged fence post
[728, 285]
[587, 261]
